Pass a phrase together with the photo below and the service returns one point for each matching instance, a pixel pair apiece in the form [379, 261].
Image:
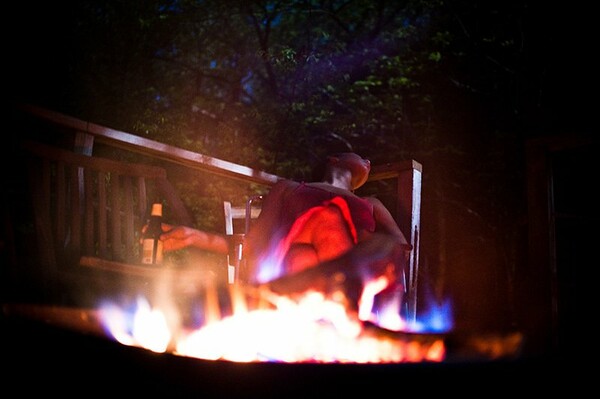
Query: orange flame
[312, 328]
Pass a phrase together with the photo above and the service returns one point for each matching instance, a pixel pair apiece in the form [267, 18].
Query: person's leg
[323, 235]
[377, 257]
[300, 256]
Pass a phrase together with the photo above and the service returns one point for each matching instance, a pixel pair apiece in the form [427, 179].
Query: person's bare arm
[180, 237]
[385, 222]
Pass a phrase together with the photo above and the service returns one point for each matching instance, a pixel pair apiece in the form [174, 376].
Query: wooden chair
[91, 208]
[238, 220]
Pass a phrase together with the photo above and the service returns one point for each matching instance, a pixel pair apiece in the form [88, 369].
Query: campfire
[326, 314]
[289, 320]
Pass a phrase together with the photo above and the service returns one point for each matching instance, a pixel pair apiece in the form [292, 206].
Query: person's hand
[177, 237]
[180, 237]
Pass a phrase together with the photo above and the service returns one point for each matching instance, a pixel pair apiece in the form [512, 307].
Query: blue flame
[436, 319]
[270, 268]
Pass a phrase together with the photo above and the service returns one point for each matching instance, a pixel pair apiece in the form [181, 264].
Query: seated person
[307, 225]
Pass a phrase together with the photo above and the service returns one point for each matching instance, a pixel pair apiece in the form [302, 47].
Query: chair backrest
[92, 206]
[243, 213]
[238, 220]
[407, 211]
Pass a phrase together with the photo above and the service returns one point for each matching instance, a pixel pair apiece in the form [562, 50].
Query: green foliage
[289, 79]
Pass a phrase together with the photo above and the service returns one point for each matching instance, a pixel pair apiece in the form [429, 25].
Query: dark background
[490, 105]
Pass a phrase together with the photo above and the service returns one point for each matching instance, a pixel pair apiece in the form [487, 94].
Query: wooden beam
[393, 170]
[163, 151]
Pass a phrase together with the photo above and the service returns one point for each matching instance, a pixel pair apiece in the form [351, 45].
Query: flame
[311, 328]
[147, 328]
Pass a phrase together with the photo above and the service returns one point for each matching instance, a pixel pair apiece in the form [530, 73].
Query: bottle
[152, 246]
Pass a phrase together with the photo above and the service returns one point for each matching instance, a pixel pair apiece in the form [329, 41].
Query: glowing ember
[307, 329]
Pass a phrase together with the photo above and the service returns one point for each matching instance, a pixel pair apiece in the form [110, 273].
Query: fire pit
[99, 348]
[68, 349]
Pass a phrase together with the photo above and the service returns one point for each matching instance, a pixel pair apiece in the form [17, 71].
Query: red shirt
[306, 196]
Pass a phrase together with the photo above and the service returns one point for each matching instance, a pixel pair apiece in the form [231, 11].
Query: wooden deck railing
[88, 133]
